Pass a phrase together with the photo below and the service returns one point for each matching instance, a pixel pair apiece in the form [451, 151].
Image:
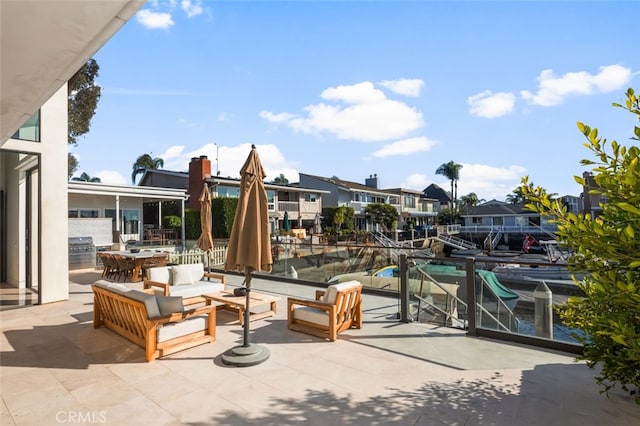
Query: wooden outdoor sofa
[158, 324]
[335, 309]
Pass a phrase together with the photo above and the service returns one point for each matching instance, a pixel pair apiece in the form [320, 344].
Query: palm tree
[471, 199]
[451, 171]
[146, 162]
[86, 178]
[281, 180]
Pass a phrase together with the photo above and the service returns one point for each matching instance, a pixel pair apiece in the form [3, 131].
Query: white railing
[212, 258]
[288, 206]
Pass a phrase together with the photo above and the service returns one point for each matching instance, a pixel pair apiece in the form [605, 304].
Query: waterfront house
[411, 206]
[302, 204]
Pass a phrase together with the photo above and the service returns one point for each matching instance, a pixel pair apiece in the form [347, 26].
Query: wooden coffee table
[238, 304]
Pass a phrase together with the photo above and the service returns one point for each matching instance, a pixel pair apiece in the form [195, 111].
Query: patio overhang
[44, 43]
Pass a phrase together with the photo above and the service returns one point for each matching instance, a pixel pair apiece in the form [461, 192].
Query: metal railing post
[404, 289]
[471, 295]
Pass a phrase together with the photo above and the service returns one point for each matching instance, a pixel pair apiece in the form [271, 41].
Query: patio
[56, 368]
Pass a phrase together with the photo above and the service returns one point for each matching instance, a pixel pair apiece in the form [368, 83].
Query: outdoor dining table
[139, 257]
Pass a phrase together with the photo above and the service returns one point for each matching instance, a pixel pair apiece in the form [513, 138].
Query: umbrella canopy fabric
[250, 244]
[286, 225]
[205, 241]
[317, 227]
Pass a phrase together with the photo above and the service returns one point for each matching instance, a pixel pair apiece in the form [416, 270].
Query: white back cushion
[332, 291]
[181, 275]
[160, 274]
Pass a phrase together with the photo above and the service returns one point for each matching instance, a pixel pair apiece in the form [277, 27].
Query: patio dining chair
[125, 266]
[110, 265]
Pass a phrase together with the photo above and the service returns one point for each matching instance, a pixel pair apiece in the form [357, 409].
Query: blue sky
[352, 89]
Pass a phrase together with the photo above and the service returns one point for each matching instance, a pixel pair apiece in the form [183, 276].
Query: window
[271, 196]
[30, 131]
[497, 220]
[410, 201]
[228, 191]
[310, 197]
[83, 214]
[129, 220]
[88, 214]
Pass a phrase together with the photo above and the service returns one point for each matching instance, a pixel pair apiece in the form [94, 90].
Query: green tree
[471, 199]
[383, 214]
[72, 165]
[145, 162]
[86, 178]
[83, 95]
[518, 196]
[607, 247]
[281, 180]
[451, 171]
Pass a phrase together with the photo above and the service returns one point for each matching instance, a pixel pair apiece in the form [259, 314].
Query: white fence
[214, 257]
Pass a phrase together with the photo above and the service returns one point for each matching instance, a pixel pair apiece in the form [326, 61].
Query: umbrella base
[246, 356]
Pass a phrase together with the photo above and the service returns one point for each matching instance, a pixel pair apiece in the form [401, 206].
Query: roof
[347, 185]
[217, 180]
[95, 188]
[44, 44]
[434, 191]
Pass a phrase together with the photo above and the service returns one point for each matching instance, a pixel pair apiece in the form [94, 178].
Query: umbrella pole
[247, 311]
[247, 354]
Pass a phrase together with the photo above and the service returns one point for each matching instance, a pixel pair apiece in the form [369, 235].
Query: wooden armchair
[334, 310]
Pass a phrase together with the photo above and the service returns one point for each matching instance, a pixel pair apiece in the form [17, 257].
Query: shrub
[607, 247]
[223, 212]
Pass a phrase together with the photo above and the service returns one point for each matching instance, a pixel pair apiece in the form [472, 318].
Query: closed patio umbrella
[249, 249]
[286, 225]
[317, 228]
[205, 241]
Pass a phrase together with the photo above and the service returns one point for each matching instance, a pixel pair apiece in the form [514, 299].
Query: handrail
[478, 304]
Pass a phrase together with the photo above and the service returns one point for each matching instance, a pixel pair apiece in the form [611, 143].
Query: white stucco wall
[54, 201]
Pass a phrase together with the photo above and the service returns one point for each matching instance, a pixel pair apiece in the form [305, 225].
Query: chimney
[199, 172]
[372, 181]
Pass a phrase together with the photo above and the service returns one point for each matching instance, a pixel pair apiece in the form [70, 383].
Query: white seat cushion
[176, 329]
[332, 291]
[197, 289]
[309, 314]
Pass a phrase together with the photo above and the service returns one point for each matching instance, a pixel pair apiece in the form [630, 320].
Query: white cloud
[552, 90]
[154, 20]
[231, 159]
[404, 86]
[416, 181]
[491, 105]
[112, 177]
[405, 147]
[488, 182]
[283, 117]
[361, 93]
[368, 116]
[192, 8]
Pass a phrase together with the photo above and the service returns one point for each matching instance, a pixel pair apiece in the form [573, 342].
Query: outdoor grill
[82, 253]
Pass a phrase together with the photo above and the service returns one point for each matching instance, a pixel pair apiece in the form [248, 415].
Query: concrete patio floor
[56, 368]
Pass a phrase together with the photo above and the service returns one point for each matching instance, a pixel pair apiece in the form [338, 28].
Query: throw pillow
[181, 276]
[170, 304]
